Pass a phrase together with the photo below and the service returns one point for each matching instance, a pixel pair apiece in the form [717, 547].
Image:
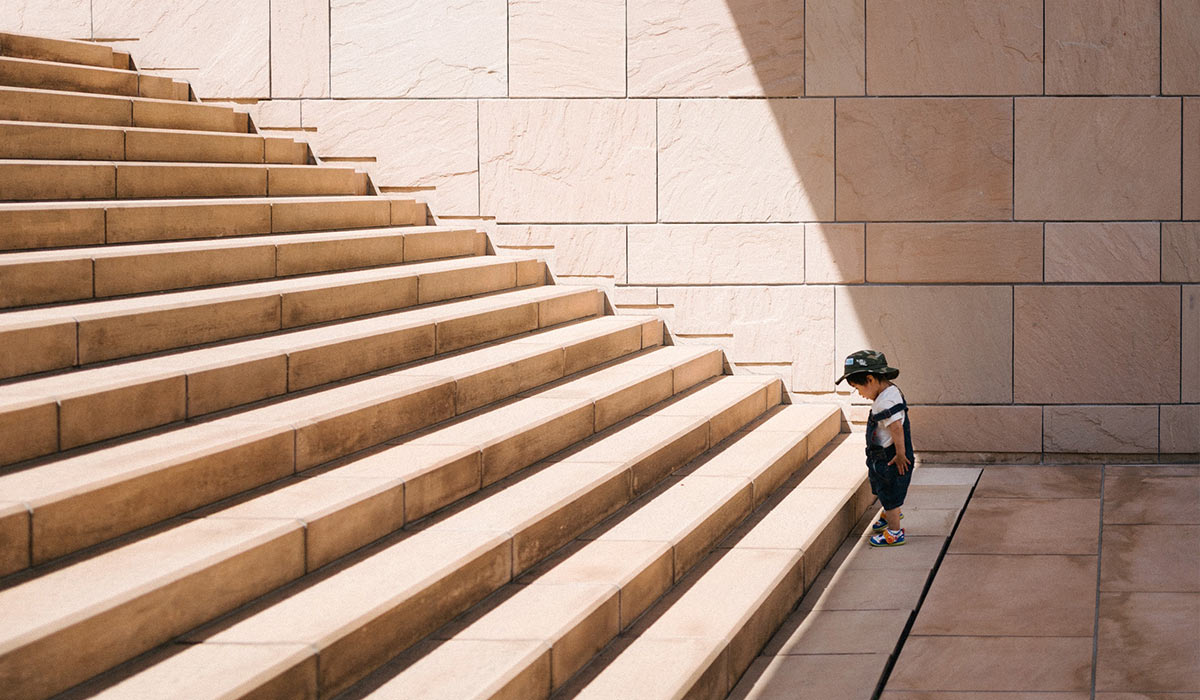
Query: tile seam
[1099, 565]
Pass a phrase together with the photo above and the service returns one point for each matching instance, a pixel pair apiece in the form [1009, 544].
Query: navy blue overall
[887, 483]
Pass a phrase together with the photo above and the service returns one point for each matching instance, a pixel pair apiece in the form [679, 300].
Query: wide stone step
[38, 105]
[42, 339]
[536, 633]
[34, 140]
[63, 411]
[360, 614]
[54, 180]
[45, 277]
[39, 48]
[51, 75]
[437, 559]
[33, 225]
[715, 622]
[75, 502]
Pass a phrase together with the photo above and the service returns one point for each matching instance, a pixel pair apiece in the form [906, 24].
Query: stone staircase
[265, 432]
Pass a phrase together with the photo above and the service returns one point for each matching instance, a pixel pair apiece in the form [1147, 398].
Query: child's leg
[893, 518]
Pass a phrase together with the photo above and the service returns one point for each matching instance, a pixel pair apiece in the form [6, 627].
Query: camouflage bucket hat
[865, 361]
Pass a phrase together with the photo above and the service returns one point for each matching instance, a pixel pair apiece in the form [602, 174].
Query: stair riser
[52, 76]
[24, 73]
[25, 284]
[39, 49]
[29, 181]
[42, 428]
[35, 141]
[66, 344]
[79, 226]
[28, 105]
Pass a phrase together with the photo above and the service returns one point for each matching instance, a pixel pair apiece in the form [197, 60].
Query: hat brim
[888, 373]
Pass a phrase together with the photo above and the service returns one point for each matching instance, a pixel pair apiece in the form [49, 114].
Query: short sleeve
[888, 398]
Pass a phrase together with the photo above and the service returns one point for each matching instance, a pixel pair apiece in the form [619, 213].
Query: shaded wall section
[1002, 196]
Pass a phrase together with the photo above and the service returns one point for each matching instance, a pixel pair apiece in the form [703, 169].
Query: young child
[889, 469]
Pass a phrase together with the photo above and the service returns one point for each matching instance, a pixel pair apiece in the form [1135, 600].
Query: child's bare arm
[896, 428]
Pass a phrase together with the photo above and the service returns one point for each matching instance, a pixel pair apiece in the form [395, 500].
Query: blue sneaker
[888, 538]
[880, 524]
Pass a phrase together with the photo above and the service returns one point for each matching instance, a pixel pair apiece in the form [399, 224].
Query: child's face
[870, 388]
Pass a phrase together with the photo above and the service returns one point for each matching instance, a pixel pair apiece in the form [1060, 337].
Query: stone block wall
[1004, 196]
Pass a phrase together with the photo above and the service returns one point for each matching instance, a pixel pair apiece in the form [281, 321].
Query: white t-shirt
[887, 398]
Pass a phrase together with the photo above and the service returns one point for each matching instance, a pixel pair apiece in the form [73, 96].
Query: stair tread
[548, 605]
[57, 126]
[167, 247]
[84, 381]
[701, 620]
[99, 309]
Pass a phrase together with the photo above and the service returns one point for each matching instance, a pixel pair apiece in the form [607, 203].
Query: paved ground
[1060, 583]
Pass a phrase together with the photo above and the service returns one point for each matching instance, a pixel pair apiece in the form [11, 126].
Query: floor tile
[1145, 495]
[935, 695]
[993, 663]
[1017, 595]
[946, 476]
[917, 552]
[839, 632]
[1147, 696]
[863, 590]
[1150, 558]
[936, 496]
[811, 677]
[1028, 526]
[1149, 642]
[1039, 482]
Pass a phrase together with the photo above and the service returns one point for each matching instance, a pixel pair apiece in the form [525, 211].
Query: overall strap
[889, 412]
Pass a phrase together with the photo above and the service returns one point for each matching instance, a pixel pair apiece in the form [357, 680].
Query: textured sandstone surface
[954, 252]
[1191, 157]
[415, 143]
[1180, 47]
[1095, 159]
[1125, 252]
[767, 324]
[969, 47]
[1096, 344]
[384, 48]
[1102, 47]
[586, 251]
[300, 48]
[566, 49]
[977, 428]
[745, 160]
[567, 161]
[232, 62]
[1101, 429]
[1179, 429]
[712, 48]
[63, 19]
[924, 159]
[833, 253]
[716, 254]
[835, 62]
[951, 344]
